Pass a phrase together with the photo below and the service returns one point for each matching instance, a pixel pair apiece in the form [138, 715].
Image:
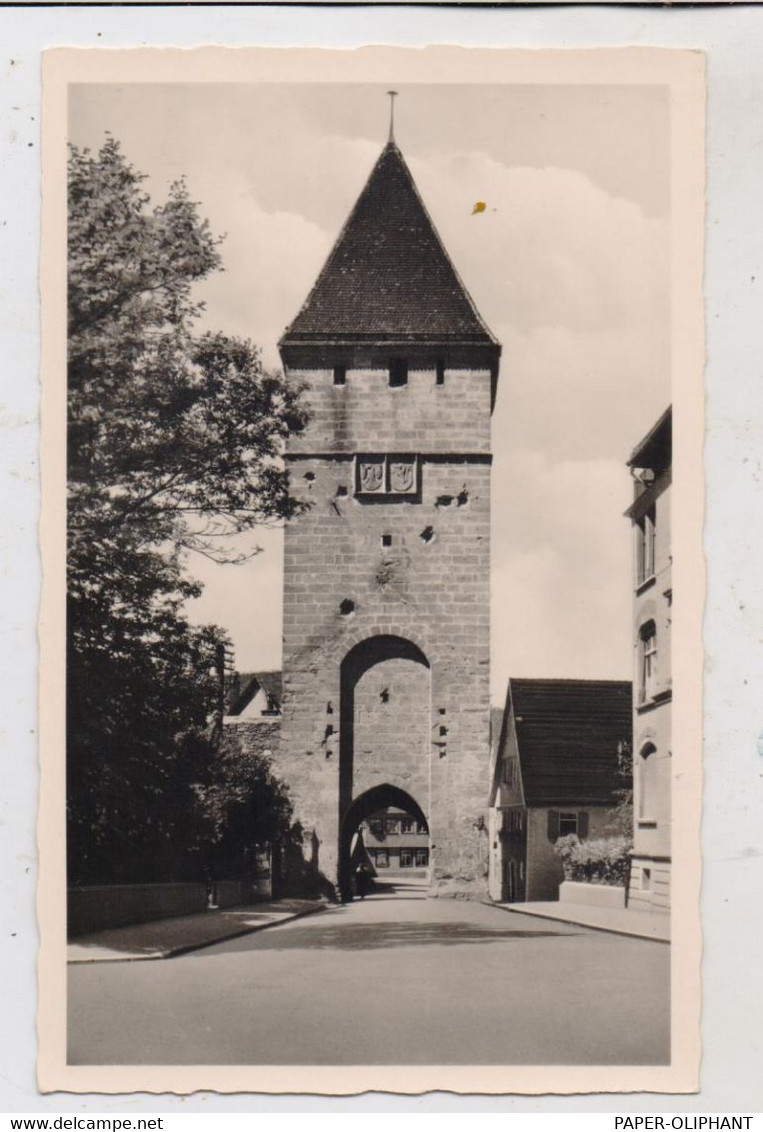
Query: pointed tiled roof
[388, 278]
[247, 684]
[568, 732]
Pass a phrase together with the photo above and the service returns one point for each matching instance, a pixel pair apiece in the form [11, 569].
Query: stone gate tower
[387, 575]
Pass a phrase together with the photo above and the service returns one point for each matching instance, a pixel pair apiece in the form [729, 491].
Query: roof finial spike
[392, 96]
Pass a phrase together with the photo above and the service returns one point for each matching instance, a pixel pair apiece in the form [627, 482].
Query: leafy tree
[244, 805]
[622, 812]
[173, 445]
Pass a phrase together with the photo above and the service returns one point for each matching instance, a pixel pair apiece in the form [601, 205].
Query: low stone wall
[595, 895]
[228, 893]
[95, 908]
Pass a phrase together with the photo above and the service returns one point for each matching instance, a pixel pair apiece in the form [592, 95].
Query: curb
[578, 923]
[185, 948]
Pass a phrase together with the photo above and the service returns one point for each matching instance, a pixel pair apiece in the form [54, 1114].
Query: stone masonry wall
[391, 733]
[367, 414]
[430, 586]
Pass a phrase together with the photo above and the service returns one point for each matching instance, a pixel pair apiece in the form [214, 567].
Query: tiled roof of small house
[247, 684]
[388, 277]
[568, 732]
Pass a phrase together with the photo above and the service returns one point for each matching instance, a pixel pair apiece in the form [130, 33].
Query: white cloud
[560, 569]
[550, 249]
[573, 281]
[270, 262]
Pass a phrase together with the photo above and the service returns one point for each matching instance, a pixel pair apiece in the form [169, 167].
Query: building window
[440, 372]
[647, 772]
[508, 772]
[386, 540]
[382, 859]
[646, 879]
[398, 372]
[421, 858]
[645, 547]
[407, 825]
[406, 858]
[563, 823]
[392, 825]
[568, 823]
[647, 662]
[340, 375]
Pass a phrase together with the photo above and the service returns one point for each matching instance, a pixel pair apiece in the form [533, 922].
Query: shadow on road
[395, 890]
[341, 935]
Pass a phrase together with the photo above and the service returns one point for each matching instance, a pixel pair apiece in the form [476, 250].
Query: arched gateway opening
[385, 739]
[378, 800]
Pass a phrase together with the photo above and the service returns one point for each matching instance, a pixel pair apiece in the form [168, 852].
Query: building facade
[557, 771]
[387, 575]
[650, 465]
[397, 844]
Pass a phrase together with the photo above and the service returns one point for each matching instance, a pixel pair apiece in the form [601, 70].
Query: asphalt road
[395, 979]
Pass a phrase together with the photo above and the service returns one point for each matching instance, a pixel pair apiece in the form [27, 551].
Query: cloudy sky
[568, 264]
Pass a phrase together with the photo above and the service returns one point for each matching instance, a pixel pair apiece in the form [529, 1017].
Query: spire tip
[392, 96]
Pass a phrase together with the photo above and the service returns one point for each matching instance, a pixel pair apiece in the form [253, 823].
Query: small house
[556, 771]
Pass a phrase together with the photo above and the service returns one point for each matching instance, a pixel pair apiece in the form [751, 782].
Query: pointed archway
[370, 802]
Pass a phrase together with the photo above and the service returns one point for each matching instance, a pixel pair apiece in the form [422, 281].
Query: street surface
[394, 979]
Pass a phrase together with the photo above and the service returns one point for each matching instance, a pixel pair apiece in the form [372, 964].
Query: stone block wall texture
[391, 727]
[366, 414]
[419, 570]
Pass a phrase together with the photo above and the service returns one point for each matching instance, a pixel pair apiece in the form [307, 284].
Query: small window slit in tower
[440, 372]
[346, 607]
[427, 535]
[386, 540]
[384, 695]
[340, 375]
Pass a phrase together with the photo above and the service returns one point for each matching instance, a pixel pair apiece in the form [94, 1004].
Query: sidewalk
[621, 921]
[161, 939]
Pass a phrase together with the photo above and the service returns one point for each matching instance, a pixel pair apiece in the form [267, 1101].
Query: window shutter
[582, 825]
[553, 825]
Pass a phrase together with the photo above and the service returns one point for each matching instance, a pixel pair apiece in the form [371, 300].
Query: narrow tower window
[340, 375]
[440, 375]
[386, 540]
[398, 372]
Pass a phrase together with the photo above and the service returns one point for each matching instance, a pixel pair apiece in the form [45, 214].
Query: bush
[602, 860]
